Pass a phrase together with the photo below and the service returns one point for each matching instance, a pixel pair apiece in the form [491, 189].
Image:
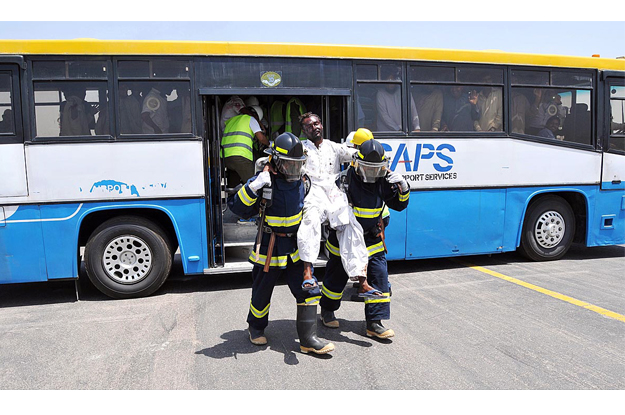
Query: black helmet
[370, 163]
[287, 153]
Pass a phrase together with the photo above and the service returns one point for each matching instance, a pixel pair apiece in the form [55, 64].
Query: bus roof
[204, 48]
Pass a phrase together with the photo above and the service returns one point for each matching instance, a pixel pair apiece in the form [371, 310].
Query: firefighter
[275, 253]
[370, 187]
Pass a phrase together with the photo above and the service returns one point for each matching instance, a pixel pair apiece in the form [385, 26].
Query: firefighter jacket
[283, 217]
[369, 202]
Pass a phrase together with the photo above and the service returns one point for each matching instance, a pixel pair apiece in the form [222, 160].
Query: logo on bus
[271, 79]
[425, 157]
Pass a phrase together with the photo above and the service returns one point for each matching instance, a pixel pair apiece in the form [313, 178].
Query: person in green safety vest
[237, 144]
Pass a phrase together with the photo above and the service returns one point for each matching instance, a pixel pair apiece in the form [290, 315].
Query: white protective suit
[326, 202]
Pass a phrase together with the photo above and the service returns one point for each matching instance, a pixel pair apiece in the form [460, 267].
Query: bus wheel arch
[551, 224]
[128, 256]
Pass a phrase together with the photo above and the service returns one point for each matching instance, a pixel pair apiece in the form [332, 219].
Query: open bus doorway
[230, 240]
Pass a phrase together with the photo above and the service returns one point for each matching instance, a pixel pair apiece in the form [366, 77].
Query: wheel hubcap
[549, 230]
[127, 259]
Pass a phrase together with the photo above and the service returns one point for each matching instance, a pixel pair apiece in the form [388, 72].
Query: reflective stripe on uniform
[374, 249]
[259, 314]
[334, 250]
[295, 256]
[282, 221]
[331, 294]
[386, 298]
[367, 212]
[245, 198]
[403, 198]
[276, 261]
[245, 146]
[243, 133]
[313, 300]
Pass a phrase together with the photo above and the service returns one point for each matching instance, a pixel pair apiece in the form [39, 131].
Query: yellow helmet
[360, 136]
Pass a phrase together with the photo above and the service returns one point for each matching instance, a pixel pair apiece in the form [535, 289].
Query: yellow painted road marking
[550, 293]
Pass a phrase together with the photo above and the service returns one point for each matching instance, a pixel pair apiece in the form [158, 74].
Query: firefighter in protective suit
[370, 187]
[275, 253]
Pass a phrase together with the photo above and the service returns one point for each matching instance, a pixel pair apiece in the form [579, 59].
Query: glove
[396, 178]
[262, 180]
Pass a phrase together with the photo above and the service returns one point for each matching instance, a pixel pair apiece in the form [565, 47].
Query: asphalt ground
[548, 326]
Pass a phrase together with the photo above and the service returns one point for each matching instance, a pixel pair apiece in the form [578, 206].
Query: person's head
[252, 111]
[457, 91]
[391, 73]
[369, 162]
[311, 126]
[553, 124]
[287, 156]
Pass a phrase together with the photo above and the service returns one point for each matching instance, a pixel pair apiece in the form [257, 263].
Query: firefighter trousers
[262, 289]
[376, 308]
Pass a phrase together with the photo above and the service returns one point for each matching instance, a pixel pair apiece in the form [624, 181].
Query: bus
[503, 151]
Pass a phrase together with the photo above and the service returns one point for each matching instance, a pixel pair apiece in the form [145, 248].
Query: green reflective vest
[238, 138]
[277, 119]
[289, 119]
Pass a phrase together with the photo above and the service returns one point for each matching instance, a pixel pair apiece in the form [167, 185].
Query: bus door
[22, 257]
[12, 158]
[613, 172]
[230, 239]
[608, 223]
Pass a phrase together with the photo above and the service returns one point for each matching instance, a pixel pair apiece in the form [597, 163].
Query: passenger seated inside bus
[77, 116]
[6, 125]
[429, 103]
[388, 104]
[552, 129]
[489, 104]
[459, 109]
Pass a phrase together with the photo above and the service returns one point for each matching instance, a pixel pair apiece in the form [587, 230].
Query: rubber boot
[307, 331]
[328, 319]
[376, 329]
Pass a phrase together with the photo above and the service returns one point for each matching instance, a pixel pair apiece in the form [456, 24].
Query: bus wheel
[548, 229]
[128, 257]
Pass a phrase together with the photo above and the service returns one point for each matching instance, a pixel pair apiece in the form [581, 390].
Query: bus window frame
[594, 112]
[456, 66]
[34, 138]
[193, 97]
[17, 136]
[609, 82]
[401, 83]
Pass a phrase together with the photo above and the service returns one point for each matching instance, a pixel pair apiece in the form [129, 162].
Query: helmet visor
[370, 172]
[291, 168]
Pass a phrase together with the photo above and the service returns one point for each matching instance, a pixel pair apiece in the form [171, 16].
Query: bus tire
[128, 257]
[548, 229]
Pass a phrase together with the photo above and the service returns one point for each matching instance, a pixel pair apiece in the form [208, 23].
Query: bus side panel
[455, 222]
[607, 225]
[395, 234]
[62, 227]
[518, 200]
[22, 256]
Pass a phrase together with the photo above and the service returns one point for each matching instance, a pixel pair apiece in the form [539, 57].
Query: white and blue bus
[109, 150]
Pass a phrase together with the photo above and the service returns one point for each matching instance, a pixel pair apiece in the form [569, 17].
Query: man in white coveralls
[326, 202]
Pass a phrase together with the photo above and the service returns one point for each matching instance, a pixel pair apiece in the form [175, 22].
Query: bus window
[71, 108]
[617, 119]
[154, 97]
[154, 107]
[559, 114]
[379, 102]
[463, 99]
[6, 109]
